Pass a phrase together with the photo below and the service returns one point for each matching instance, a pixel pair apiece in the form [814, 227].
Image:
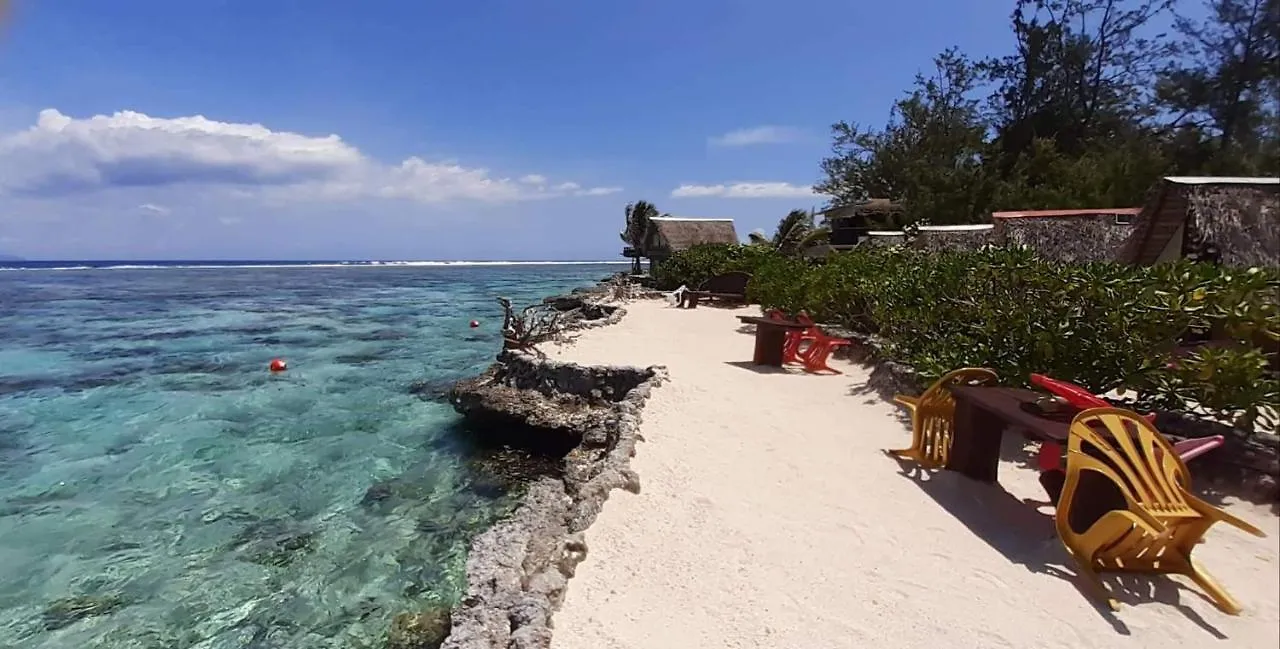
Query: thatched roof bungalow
[669, 234]
[1233, 221]
[1069, 235]
[852, 223]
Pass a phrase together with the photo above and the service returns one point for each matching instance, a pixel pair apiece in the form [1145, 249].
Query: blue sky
[414, 130]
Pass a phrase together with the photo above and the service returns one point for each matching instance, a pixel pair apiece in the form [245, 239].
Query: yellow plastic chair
[933, 416]
[1162, 522]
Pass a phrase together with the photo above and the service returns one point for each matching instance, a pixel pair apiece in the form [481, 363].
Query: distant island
[4, 257]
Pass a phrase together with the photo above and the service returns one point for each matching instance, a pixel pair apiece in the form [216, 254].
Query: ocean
[160, 489]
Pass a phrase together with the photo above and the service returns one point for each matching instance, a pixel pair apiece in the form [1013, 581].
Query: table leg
[975, 443]
[769, 341]
[693, 301]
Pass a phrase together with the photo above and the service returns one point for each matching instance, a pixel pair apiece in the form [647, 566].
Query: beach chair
[1050, 454]
[933, 416]
[676, 296]
[1161, 523]
[795, 338]
[814, 357]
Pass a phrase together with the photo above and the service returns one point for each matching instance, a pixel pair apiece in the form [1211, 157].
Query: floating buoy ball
[278, 365]
[475, 323]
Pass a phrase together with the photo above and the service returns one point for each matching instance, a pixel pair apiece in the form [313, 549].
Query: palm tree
[796, 233]
[638, 215]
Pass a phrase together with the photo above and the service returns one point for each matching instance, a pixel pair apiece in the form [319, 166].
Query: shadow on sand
[1016, 529]
[766, 369]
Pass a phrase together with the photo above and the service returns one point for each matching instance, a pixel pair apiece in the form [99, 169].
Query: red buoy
[278, 365]
[475, 323]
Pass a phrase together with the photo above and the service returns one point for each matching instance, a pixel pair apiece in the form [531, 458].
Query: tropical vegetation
[1104, 326]
[796, 232]
[1095, 101]
[638, 215]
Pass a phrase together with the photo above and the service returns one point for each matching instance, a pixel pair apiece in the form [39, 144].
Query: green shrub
[1232, 383]
[698, 264]
[1103, 326]
[781, 283]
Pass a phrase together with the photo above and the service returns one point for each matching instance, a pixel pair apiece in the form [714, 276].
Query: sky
[501, 129]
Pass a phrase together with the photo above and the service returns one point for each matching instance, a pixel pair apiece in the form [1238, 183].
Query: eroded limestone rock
[517, 572]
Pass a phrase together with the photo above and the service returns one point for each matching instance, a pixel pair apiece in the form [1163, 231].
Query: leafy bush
[837, 291]
[1103, 326]
[698, 264]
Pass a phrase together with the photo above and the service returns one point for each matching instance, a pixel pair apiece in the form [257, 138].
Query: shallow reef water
[160, 489]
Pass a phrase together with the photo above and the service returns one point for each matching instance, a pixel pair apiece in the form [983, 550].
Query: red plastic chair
[820, 347]
[1075, 395]
[1190, 449]
[1050, 456]
[795, 338]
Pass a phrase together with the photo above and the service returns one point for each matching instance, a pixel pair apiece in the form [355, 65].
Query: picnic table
[771, 335]
[983, 412]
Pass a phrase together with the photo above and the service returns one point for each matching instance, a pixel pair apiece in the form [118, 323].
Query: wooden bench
[728, 287]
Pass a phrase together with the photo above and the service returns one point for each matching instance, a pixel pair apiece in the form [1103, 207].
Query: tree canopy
[795, 232]
[1093, 104]
[638, 215]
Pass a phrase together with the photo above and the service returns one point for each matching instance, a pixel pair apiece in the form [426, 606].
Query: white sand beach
[770, 517]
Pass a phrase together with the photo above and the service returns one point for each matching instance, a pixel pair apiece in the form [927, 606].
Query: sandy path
[769, 517]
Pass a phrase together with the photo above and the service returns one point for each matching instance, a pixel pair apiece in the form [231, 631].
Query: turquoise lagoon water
[160, 489]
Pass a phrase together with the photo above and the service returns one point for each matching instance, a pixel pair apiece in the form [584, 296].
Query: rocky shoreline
[517, 571]
[588, 417]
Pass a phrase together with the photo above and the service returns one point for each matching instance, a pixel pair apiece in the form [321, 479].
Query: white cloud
[61, 155]
[744, 190]
[152, 208]
[598, 191]
[758, 135]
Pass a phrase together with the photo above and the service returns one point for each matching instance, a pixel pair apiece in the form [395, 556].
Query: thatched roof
[1039, 214]
[1241, 223]
[1090, 235]
[874, 207]
[1233, 220]
[672, 234]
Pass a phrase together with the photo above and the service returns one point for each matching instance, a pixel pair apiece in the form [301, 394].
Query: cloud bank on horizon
[131, 184]
[61, 155]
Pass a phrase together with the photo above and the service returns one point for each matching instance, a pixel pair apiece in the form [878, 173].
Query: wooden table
[982, 414]
[771, 335]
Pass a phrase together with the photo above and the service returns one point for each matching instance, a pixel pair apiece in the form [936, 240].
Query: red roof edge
[1131, 211]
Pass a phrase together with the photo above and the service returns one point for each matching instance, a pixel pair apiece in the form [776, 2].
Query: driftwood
[533, 326]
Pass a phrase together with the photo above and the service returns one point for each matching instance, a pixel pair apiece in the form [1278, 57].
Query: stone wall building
[1069, 235]
[1233, 221]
